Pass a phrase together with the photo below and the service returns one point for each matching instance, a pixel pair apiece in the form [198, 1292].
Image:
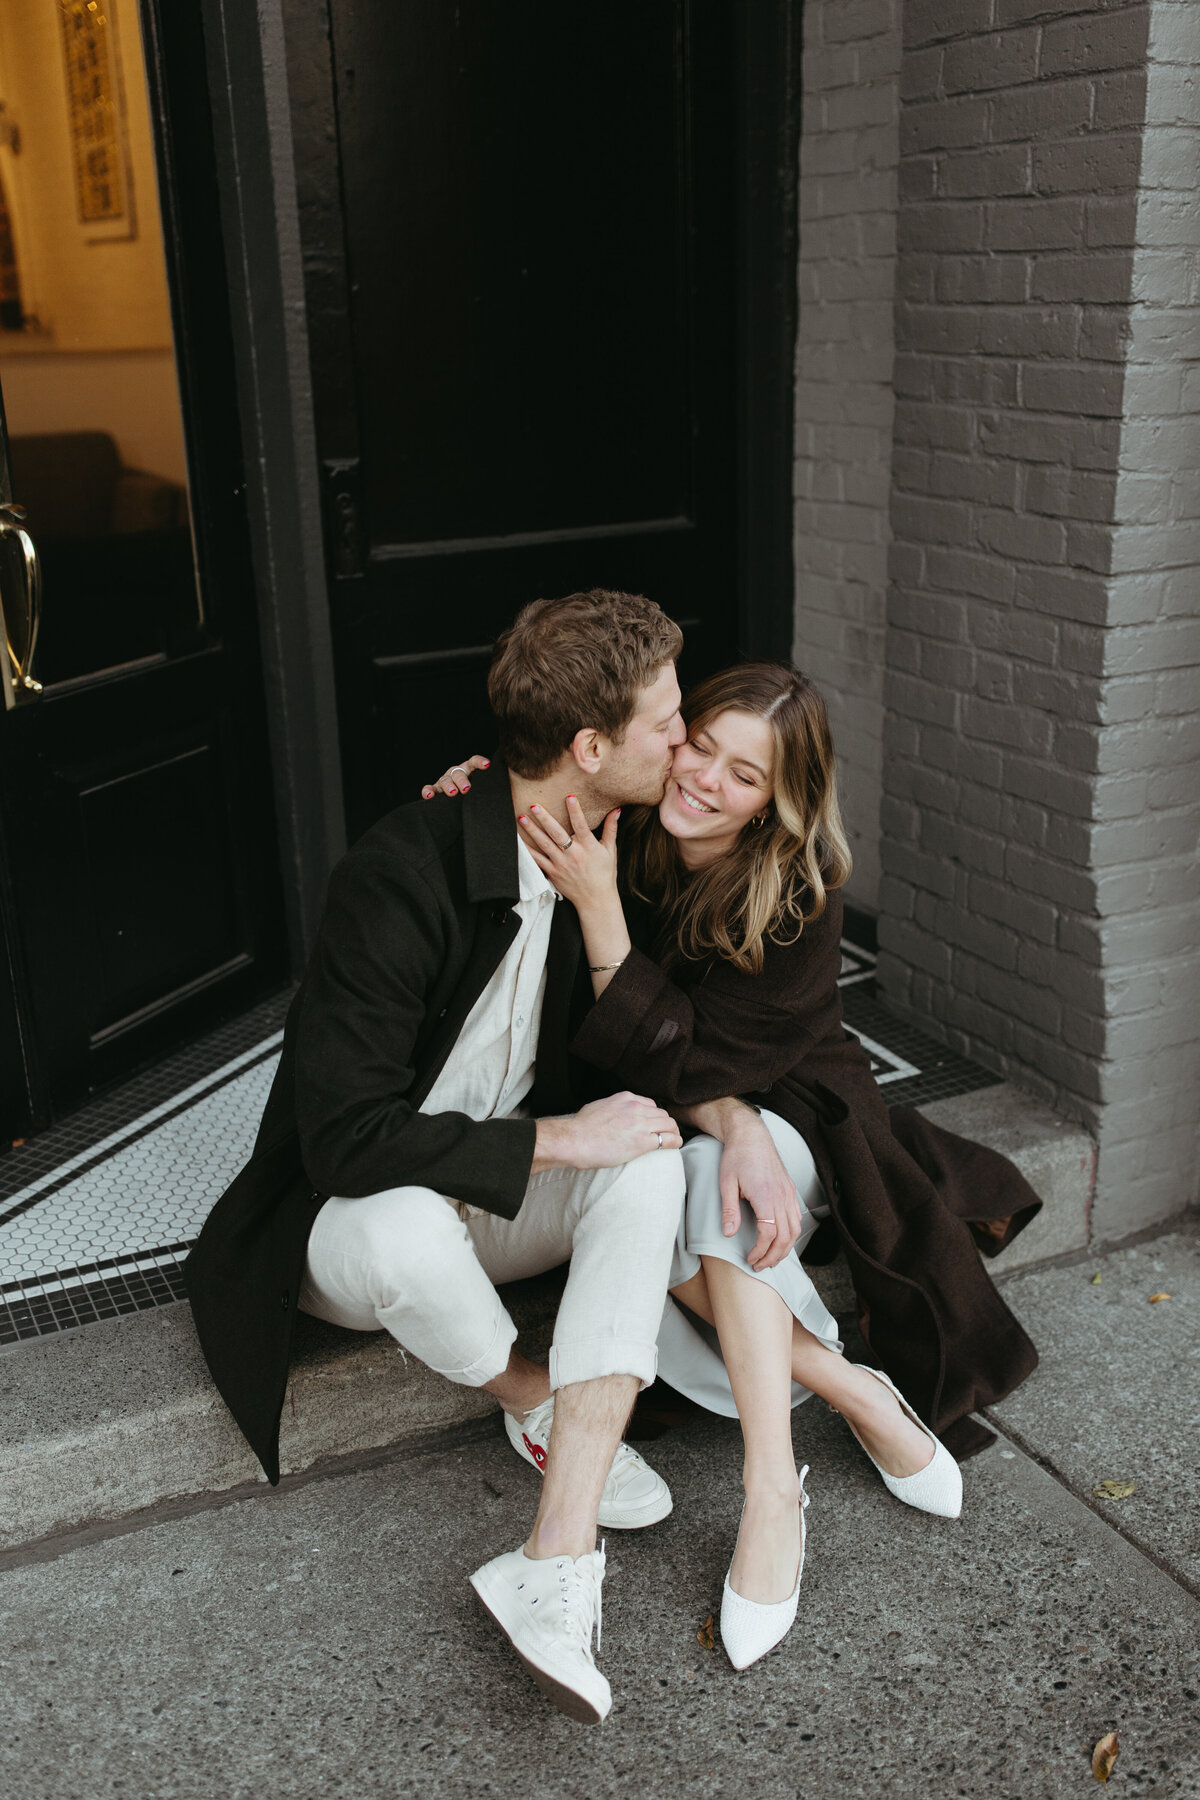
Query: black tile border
[942, 1072]
[114, 1290]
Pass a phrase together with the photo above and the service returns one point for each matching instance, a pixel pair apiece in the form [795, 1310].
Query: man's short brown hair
[564, 665]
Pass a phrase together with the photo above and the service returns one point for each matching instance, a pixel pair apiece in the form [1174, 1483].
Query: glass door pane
[87, 357]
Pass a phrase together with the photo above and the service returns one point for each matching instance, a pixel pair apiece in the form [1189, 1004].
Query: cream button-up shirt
[490, 1070]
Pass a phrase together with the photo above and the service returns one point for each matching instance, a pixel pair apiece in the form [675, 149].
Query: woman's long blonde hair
[777, 875]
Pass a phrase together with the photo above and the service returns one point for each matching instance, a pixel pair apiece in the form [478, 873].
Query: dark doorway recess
[550, 267]
[139, 889]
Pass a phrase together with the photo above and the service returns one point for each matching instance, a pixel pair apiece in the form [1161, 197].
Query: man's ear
[587, 750]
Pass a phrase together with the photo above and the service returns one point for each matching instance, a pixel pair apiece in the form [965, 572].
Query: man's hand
[752, 1170]
[605, 1134]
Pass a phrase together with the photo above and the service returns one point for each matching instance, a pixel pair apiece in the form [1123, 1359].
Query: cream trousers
[418, 1265]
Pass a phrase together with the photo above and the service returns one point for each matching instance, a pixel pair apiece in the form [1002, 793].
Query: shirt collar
[533, 881]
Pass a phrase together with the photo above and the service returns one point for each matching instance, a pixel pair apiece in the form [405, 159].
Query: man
[420, 1141]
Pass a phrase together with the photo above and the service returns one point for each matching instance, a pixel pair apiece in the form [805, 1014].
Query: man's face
[635, 771]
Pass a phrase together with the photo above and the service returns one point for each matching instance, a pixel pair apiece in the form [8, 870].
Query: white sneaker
[547, 1607]
[633, 1495]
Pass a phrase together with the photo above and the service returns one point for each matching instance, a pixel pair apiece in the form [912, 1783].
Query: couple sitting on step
[516, 1012]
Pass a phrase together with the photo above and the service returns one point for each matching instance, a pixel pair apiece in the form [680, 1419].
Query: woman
[732, 887]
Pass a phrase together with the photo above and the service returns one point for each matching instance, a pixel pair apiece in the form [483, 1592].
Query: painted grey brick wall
[844, 396]
[1013, 743]
[1144, 943]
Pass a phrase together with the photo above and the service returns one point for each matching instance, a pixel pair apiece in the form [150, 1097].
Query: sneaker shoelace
[579, 1589]
[539, 1419]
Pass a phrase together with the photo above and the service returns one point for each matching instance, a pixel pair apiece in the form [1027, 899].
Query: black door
[138, 877]
[522, 233]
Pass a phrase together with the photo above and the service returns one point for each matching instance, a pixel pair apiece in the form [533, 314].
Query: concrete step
[100, 1422]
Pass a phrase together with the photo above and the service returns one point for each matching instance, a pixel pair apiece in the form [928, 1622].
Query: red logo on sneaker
[535, 1450]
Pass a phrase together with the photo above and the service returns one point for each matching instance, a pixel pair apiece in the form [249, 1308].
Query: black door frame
[271, 78]
[279, 481]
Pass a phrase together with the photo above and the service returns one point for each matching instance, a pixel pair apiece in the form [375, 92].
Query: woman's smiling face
[720, 778]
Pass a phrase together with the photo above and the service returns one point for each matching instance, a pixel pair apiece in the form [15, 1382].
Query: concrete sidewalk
[322, 1640]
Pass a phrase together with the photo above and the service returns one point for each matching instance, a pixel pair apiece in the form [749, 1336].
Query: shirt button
[519, 1020]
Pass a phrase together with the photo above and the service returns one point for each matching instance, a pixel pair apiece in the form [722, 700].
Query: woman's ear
[587, 750]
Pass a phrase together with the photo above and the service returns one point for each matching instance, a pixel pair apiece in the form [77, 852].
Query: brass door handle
[18, 683]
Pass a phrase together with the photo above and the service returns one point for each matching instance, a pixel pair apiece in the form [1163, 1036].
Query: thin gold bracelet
[603, 968]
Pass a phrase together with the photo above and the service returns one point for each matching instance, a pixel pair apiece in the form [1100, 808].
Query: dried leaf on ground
[704, 1637]
[1097, 1278]
[1155, 1297]
[1114, 1490]
[1105, 1755]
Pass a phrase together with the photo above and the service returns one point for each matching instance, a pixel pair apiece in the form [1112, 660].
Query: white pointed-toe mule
[937, 1488]
[748, 1629]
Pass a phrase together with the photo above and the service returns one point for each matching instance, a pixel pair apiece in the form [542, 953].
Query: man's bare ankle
[519, 1391]
[546, 1542]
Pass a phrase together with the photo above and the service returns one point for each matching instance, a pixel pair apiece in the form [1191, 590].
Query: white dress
[689, 1355]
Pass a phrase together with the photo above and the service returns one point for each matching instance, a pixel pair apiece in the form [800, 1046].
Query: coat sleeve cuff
[609, 1028]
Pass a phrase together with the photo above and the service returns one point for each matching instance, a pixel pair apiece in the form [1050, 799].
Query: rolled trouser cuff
[483, 1368]
[594, 1358]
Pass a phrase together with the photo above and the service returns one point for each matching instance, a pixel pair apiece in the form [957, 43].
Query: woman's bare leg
[888, 1434]
[694, 1294]
[885, 1431]
[755, 1328]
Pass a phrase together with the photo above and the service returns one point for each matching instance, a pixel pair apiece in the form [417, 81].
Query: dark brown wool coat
[913, 1204]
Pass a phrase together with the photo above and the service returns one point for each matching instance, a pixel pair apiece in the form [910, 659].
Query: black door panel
[537, 223]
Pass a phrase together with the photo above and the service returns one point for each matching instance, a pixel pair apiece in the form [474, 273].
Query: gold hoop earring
[759, 820]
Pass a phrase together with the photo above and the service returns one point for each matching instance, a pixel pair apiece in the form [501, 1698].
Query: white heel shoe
[748, 1629]
[937, 1488]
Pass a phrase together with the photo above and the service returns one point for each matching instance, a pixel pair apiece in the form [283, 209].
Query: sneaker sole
[652, 1512]
[567, 1700]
